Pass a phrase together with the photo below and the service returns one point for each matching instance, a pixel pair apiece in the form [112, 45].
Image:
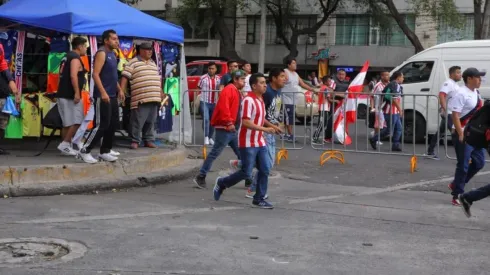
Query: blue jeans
[393, 123]
[250, 157]
[222, 139]
[270, 140]
[446, 124]
[207, 110]
[478, 194]
[464, 170]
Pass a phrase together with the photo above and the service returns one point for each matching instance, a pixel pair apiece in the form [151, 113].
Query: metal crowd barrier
[413, 105]
[197, 119]
[302, 110]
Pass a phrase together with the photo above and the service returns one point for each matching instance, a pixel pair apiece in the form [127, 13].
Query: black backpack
[477, 130]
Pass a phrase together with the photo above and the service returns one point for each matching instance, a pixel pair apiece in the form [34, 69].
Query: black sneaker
[373, 144]
[262, 204]
[466, 205]
[200, 181]
[396, 149]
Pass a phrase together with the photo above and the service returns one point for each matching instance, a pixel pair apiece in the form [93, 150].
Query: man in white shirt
[247, 68]
[448, 89]
[463, 105]
[288, 94]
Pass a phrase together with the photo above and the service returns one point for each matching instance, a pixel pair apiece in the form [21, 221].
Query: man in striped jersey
[209, 85]
[376, 102]
[252, 145]
[146, 95]
[393, 112]
[324, 102]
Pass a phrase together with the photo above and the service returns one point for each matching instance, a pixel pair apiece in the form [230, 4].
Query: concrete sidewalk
[22, 174]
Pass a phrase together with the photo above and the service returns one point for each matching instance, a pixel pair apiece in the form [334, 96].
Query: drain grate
[38, 251]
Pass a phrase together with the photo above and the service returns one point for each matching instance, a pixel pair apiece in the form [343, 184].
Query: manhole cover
[38, 251]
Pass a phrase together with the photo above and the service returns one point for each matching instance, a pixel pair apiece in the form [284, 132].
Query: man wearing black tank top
[106, 93]
[72, 80]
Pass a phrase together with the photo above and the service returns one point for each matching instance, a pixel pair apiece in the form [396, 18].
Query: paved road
[369, 216]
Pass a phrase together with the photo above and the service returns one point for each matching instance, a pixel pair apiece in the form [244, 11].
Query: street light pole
[263, 21]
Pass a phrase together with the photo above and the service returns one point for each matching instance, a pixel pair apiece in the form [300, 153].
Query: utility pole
[263, 21]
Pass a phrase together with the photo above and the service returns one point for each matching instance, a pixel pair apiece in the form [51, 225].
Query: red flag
[355, 87]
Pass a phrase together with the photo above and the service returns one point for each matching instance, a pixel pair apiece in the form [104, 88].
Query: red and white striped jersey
[209, 88]
[253, 109]
[377, 94]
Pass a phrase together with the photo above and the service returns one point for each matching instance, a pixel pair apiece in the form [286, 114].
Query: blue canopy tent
[90, 17]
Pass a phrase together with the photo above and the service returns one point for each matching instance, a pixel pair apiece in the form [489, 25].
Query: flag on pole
[355, 87]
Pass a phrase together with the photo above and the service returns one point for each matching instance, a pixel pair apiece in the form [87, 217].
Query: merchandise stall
[57, 21]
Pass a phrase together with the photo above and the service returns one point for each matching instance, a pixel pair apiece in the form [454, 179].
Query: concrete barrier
[34, 180]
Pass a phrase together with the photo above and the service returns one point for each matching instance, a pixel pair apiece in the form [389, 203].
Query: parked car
[196, 69]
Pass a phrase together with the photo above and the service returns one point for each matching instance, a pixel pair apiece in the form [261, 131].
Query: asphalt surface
[368, 216]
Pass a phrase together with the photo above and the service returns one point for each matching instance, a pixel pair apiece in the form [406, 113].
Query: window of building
[395, 36]
[359, 30]
[271, 36]
[417, 72]
[352, 30]
[447, 33]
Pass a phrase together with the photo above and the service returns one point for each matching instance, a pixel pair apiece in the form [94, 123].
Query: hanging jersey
[55, 61]
[31, 116]
[165, 119]
[15, 128]
[46, 102]
[3, 61]
[172, 88]
[170, 52]
[59, 44]
[125, 52]
[9, 42]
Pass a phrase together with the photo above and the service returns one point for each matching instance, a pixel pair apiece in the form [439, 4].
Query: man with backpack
[463, 105]
[393, 112]
[477, 134]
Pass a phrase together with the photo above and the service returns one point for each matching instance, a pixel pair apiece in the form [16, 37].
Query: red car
[196, 69]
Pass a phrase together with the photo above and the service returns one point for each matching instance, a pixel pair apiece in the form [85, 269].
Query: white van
[425, 73]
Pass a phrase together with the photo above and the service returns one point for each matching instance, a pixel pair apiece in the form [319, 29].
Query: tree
[130, 2]
[482, 20]
[287, 28]
[437, 10]
[217, 10]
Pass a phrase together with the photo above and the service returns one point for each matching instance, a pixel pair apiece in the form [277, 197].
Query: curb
[184, 170]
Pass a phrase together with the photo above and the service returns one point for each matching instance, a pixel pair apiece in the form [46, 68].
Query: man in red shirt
[253, 147]
[225, 121]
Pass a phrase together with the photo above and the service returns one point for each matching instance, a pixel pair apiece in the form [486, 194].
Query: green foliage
[130, 2]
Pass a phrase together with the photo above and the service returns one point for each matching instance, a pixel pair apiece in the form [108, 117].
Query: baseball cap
[238, 73]
[146, 46]
[472, 72]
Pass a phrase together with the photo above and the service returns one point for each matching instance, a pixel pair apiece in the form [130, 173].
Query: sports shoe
[87, 158]
[151, 145]
[206, 141]
[235, 165]
[250, 194]
[217, 190]
[66, 149]
[316, 142]
[211, 141]
[373, 144]
[114, 153]
[134, 145]
[432, 156]
[451, 186]
[107, 157]
[291, 139]
[262, 204]
[465, 205]
[456, 202]
[248, 183]
[200, 181]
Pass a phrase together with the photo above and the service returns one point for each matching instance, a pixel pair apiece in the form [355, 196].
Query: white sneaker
[87, 158]
[379, 142]
[211, 141]
[66, 149]
[206, 141]
[107, 157]
[114, 153]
